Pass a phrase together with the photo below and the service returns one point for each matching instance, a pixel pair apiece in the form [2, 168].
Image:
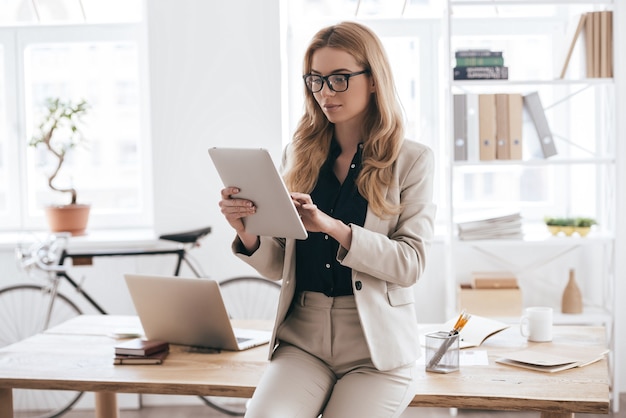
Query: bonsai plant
[59, 133]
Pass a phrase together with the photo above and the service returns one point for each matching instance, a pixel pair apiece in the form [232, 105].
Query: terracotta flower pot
[68, 218]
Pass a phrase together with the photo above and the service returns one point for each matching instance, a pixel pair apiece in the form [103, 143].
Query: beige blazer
[387, 257]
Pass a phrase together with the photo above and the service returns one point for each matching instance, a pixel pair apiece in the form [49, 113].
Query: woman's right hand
[234, 210]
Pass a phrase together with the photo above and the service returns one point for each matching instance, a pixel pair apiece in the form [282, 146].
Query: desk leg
[6, 403]
[557, 415]
[106, 405]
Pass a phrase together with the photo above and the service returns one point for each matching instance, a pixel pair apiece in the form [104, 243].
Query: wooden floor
[206, 412]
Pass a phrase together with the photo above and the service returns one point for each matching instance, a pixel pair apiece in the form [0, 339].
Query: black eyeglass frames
[335, 82]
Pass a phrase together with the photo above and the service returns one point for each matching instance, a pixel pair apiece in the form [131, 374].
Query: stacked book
[141, 351]
[479, 64]
[596, 31]
[506, 226]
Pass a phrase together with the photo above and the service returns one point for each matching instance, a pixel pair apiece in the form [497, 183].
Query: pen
[458, 326]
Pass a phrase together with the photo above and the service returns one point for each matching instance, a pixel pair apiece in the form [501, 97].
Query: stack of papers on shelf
[501, 226]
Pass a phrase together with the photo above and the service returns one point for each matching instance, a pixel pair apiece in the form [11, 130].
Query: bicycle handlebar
[44, 255]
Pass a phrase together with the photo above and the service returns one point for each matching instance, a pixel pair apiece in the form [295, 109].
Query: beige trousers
[322, 366]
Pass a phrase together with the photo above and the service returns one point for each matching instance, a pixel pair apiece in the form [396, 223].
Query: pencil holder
[442, 352]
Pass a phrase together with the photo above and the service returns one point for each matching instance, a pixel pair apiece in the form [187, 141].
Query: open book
[473, 334]
[545, 361]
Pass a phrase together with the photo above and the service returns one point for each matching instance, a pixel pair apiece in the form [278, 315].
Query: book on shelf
[603, 46]
[141, 347]
[606, 44]
[474, 53]
[515, 125]
[479, 61]
[465, 127]
[460, 127]
[544, 147]
[503, 139]
[154, 358]
[552, 361]
[595, 48]
[589, 44]
[481, 73]
[487, 126]
[597, 30]
[472, 126]
[573, 42]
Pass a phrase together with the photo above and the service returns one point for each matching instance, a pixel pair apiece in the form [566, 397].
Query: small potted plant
[569, 225]
[583, 225]
[558, 225]
[553, 224]
[59, 133]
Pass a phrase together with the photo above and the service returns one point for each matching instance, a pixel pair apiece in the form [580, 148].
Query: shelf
[590, 316]
[553, 82]
[536, 162]
[545, 240]
[528, 2]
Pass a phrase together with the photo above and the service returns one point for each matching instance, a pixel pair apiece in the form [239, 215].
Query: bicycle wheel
[245, 297]
[250, 297]
[23, 310]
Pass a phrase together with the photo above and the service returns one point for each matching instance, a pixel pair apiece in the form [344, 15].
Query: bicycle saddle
[187, 236]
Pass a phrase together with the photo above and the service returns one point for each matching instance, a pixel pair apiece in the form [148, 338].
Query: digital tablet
[254, 173]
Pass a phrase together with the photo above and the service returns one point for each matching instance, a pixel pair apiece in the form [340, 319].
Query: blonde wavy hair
[383, 128]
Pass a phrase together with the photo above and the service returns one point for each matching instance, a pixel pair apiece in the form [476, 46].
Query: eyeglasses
[335, 82]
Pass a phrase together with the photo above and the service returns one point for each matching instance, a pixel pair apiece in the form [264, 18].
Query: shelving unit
[581, 180]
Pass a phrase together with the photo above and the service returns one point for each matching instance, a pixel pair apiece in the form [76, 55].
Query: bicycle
[28, 309]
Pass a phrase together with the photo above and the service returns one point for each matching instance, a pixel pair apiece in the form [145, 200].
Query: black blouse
[317, 268]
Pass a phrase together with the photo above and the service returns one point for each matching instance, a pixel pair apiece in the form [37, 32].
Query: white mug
[536, 324]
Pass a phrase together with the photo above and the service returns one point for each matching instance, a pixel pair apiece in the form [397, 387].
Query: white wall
[215, 77]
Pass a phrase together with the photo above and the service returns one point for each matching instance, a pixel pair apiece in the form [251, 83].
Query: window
[84, 55]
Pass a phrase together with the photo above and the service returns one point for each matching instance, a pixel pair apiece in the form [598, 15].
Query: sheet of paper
[473, 358]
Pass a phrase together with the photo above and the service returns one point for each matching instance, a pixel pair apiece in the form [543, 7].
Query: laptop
[254, 172]
[188, 312]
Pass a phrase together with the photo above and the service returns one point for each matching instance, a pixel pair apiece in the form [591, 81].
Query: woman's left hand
[314, 220]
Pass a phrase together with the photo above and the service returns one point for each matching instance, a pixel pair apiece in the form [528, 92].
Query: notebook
[254, 172]
[188, 312]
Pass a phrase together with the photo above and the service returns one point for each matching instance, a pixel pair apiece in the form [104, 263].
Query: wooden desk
[78, 355]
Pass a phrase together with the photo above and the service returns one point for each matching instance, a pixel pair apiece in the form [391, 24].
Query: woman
[345, 341]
